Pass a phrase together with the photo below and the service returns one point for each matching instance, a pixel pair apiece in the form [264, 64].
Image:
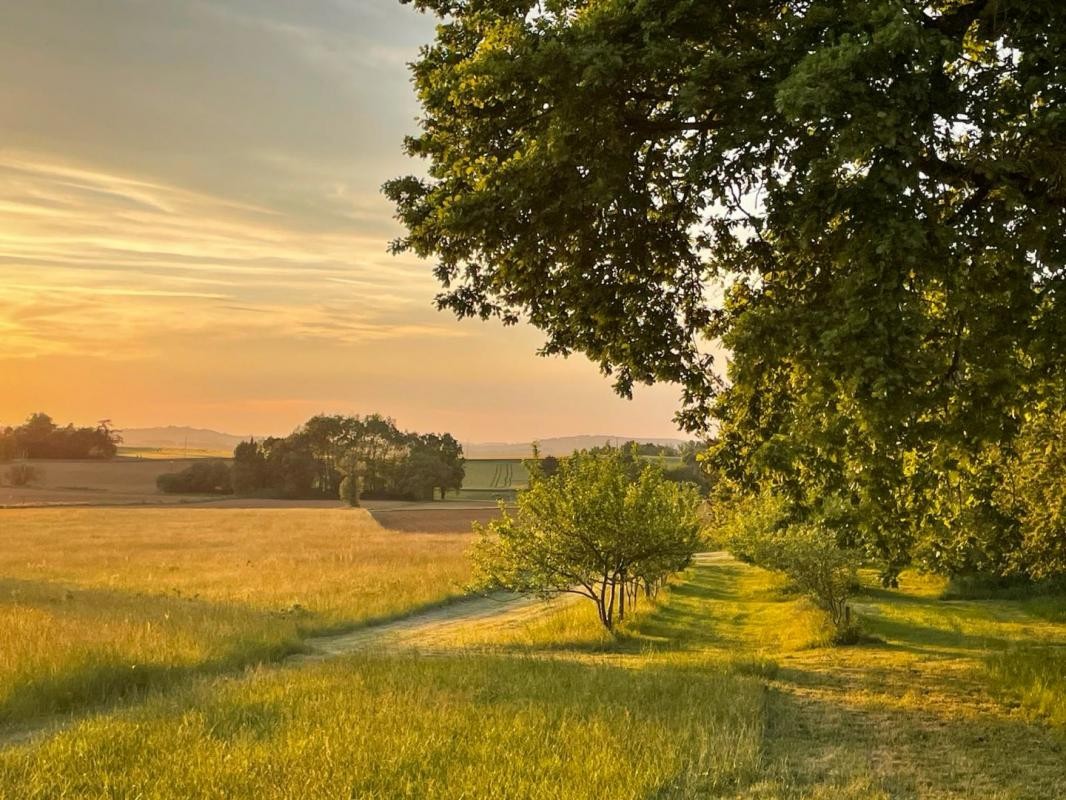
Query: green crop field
[491, 478]
[724, 687]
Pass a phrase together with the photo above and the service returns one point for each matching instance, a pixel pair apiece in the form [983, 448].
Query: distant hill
[557, 446]
[174, 436]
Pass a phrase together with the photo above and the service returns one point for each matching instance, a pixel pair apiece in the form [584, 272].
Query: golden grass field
[724, 687]
[95, 602]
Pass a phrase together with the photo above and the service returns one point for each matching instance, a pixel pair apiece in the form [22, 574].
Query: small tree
[816, 565]
[591, 530]
[23, 474]
[352, 483]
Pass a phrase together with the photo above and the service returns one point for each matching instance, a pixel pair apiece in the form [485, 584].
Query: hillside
[175, 436]
[555, 446]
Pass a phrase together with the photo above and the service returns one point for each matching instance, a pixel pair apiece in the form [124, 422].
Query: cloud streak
[100, 264]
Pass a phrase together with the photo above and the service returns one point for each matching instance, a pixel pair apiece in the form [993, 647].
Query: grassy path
[434, 630]
[911, 716]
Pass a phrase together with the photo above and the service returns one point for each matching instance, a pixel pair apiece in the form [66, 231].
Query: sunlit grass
[1035, 677]
[95, 603]
[405, 727]
[724, 687]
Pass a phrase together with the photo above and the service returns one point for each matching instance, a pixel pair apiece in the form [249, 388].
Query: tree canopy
[861, 201]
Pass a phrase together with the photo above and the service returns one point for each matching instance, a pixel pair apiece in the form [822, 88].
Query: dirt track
[438, 629]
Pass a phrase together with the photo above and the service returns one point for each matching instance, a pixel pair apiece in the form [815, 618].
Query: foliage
[1037, 489]
[432, 462]
[206, 476]
[314, 460]
[861, 202]
[22, 475]
[592, 530]
[349, 490]
[758, 530]
[40, 437]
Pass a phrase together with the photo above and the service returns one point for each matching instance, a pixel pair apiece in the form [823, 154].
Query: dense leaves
[208, 476]
[863, 202]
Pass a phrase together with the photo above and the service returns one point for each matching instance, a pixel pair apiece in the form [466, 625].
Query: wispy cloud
[107, 265]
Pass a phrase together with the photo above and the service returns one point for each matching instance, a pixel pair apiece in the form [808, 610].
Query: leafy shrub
[817, 566]
[210, 476]
[1038, 490]
[23, 475]
[592, 529]
[756, 530]
[349, 490]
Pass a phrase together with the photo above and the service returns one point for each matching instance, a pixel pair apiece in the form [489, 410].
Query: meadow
[723, 687]
[118, 481]
[96, 603]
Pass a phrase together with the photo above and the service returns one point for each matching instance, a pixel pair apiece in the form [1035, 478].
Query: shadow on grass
[827, 733]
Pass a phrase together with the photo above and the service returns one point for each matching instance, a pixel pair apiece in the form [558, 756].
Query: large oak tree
[862, 201]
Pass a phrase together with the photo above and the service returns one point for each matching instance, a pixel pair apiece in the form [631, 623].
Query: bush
[23, 475]
[756, 530]
[210, 476]
[349, 491]
[817, 566]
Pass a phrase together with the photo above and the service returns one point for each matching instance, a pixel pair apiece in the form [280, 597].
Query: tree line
[333, 456]
[40, 437]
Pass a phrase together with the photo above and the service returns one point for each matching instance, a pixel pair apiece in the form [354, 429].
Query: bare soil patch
[434, 520]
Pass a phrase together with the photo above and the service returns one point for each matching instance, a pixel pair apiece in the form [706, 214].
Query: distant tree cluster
[40, 437]
[636, 454]
[336, 456]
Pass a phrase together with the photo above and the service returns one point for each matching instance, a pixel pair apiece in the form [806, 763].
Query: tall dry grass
[98, 602]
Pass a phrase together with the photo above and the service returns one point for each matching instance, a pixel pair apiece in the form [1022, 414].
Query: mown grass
[98, 603]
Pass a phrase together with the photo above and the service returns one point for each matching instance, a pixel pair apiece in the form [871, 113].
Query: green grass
[721, 688]
[495, 473]
[407, 727]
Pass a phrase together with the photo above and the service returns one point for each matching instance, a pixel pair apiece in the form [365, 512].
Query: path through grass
[98, 603]
[724, 689]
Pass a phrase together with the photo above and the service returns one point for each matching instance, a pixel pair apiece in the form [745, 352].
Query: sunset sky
[192, 233]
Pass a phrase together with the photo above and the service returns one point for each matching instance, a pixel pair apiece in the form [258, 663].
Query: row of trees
[40, 437]
[330, 457]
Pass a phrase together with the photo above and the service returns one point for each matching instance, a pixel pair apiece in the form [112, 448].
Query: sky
[192, 231]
